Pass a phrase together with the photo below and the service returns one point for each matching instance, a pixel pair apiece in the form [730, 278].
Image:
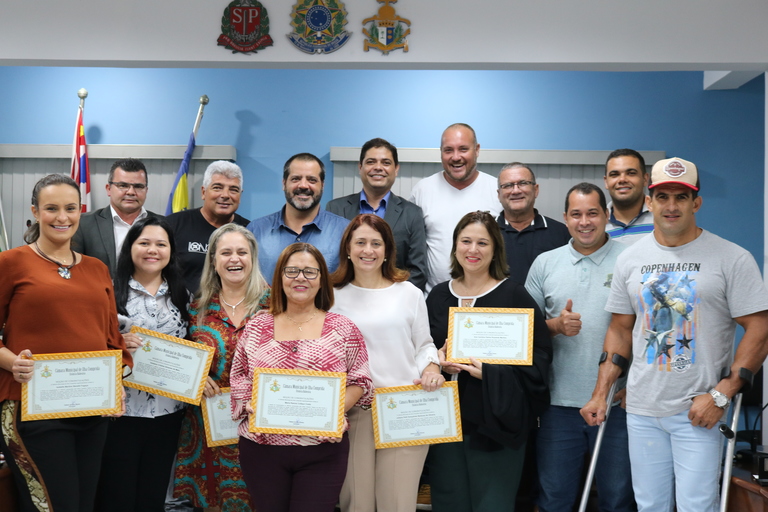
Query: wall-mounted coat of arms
[386, 31]
[318, 26]
[245, 27]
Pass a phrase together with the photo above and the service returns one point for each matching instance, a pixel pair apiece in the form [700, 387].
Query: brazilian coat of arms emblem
[387, 31]
[245, 27]
[318, 26]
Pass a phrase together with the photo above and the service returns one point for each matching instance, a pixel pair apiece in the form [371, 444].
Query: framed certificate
[170, 366]
[409, 416]
[72, 384]
[490, 335]
[220, 428]
[298, 402]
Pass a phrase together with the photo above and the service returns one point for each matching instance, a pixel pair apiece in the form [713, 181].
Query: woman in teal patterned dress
[232, 289]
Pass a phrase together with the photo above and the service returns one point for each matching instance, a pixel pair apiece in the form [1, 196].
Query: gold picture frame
[499, 331]
[150, 378]
[208, 408]
[67, 369]
[329, 392]
[441, 420]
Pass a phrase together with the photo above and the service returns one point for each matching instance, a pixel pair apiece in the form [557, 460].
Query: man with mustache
[301, 219]
[221, 192]
[378, 169]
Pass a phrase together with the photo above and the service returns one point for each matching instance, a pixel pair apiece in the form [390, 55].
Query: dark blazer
[96, 236]
[407, 223]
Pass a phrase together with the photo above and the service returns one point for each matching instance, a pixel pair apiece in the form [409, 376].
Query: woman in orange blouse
[52, 300]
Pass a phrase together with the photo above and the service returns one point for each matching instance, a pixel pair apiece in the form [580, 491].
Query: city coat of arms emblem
[245, 27]
[318, 26]
[387, 31]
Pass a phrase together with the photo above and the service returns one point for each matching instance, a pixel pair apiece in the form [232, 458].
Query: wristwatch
[721, 399]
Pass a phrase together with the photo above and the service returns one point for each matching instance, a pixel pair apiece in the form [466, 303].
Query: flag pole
[178, 200]
[203, 103]
[82, 94]
[4, 245]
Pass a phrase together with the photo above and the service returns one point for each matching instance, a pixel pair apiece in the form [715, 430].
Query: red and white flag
[80, 171]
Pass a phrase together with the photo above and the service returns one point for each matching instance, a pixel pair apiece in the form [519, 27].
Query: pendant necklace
[63, 269]
[230, 305]
[299, 324]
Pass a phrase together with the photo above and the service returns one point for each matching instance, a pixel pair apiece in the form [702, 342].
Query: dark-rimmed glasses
[121, 185]
[310, 273]
[519, 184]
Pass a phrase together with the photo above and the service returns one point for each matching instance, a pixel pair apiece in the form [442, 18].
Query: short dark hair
[585, 188]
[499, 268]
[171, 273]
[378, 143]
[33, 231]
[324, 297]
[128, 165]
[303, 157]
[346, 271]
[625, 152]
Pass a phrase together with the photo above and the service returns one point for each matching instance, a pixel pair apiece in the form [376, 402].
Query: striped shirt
[340, 348]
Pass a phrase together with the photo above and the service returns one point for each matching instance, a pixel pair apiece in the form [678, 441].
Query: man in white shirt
[101, 232]
[445, 197]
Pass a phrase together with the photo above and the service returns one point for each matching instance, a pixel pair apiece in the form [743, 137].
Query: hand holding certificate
[298, 402]
[169, 366]
[220, 428]
[73, 384]
[490, 335]
[409, 416]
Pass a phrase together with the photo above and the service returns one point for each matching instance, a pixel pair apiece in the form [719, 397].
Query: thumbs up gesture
[570, 322]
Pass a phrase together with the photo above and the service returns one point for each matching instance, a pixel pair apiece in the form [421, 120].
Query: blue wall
[269, 115]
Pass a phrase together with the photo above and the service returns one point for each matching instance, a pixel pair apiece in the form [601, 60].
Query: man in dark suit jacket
[378, 169]
[101, 232]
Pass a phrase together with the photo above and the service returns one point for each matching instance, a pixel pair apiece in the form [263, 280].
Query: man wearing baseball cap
[676, 298]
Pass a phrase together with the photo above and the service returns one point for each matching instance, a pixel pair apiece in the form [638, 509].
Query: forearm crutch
[622, 363]
[730, 434]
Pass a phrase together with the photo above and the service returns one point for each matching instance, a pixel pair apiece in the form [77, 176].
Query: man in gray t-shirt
[675, 300]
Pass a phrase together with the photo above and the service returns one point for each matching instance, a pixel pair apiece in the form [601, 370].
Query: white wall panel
[19, 175]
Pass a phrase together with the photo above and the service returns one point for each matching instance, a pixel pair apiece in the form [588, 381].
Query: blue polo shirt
[324, 232]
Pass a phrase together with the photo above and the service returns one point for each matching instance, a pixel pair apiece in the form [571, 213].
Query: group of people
[365, 288]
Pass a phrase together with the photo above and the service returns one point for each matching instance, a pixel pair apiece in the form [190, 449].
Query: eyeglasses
[123, 186]
[519, 184]
[309, 272]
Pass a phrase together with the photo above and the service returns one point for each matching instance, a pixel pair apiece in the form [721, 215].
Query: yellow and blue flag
[179, 198]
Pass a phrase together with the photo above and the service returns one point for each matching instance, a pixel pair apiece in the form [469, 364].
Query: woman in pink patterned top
[289, 472]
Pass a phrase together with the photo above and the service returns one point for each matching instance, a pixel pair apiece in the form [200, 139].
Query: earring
[385, 259]
[348, 257]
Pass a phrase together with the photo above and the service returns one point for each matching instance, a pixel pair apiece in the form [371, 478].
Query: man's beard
[303, 206]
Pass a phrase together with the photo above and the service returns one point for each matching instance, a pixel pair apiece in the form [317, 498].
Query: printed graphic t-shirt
[685, 299]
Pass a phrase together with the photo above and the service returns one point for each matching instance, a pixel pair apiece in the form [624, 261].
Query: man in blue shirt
[301, 219]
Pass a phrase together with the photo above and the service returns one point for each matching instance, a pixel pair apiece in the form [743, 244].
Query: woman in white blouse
[140, 449]
[392, 315]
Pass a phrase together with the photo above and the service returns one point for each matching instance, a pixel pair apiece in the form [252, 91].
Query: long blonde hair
[210, 282]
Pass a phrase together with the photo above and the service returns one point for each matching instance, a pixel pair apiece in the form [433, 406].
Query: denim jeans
[564, 440]
[674, 461]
